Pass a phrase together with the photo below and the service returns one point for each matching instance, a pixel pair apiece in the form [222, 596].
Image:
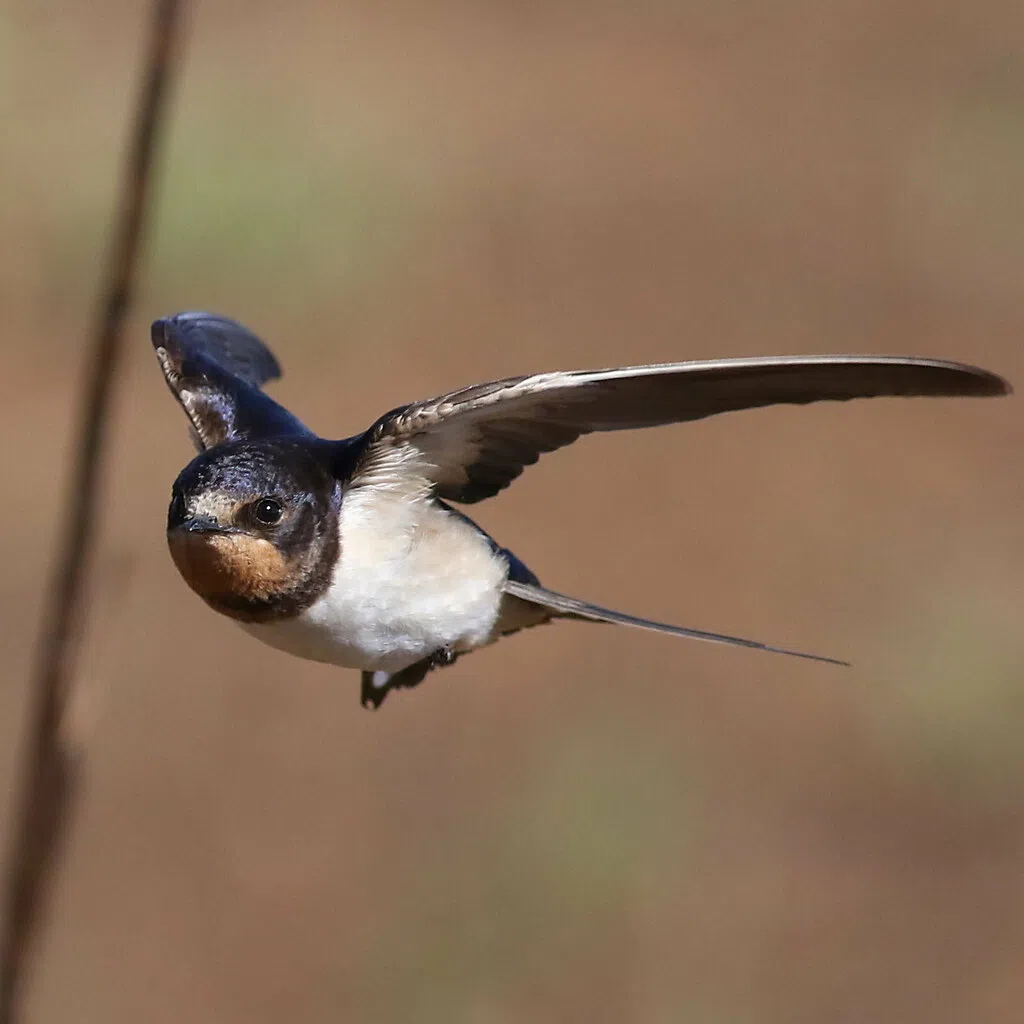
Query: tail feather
[572, 608]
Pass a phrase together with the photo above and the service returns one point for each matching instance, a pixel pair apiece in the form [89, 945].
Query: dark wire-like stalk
[51, 767]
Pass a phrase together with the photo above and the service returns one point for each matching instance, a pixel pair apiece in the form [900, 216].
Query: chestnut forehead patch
[230, 566]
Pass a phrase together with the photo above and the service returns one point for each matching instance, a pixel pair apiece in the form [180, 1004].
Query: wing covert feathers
[477, 440]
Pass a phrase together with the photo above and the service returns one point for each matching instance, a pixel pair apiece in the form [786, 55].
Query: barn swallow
[346, 552]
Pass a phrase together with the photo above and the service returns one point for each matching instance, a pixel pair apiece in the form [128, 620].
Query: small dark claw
[445, 656]
[371, 697]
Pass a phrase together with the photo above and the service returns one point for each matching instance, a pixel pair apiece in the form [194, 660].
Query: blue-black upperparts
[215, 367]
[297, 470]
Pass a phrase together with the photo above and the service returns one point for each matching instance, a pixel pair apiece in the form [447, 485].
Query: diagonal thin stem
[51, 767]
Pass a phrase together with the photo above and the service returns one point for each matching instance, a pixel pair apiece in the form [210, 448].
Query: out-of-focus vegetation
[580, 824]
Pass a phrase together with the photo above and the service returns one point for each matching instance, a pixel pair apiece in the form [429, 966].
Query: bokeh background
[580, 824]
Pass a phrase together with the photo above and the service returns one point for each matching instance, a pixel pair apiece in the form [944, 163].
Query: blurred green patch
[949, 708]
[261, 202]
[960, 199]
[554, 889]
[253, 207]
[8, 44]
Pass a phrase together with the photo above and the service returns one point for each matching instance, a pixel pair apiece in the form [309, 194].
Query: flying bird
[347, 552]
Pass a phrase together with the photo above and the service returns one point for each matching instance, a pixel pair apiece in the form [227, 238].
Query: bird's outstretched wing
[472, 443]
[215, 368]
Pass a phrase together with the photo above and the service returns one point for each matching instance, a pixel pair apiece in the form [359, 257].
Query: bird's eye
[268, 511]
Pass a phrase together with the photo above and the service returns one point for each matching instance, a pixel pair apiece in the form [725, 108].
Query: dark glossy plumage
[478, 439]
[215, 367]
[463, 446]
[481, 437]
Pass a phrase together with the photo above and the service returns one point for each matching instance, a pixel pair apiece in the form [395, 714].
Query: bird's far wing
[472, 443]
[215, 367]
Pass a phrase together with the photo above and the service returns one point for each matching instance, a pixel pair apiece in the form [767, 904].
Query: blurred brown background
[580, 824]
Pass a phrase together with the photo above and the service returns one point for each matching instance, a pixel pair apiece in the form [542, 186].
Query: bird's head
[253, 527]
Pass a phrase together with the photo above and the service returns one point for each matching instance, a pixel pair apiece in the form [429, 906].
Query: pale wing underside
[472, 443]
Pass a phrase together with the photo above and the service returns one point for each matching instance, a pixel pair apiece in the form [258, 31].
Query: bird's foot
[441, 658]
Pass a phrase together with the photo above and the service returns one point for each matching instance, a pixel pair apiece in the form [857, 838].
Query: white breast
[411, 579]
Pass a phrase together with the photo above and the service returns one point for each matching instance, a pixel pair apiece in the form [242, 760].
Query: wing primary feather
[226, 342]
[573, 608]
[477, 440]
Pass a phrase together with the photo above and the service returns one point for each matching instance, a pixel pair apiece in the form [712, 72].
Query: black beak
[201, 524]
[177, 520]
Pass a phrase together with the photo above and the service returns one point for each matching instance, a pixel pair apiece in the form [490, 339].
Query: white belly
[411, 579]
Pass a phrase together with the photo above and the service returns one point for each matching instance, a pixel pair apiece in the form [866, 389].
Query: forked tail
[564, 607]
